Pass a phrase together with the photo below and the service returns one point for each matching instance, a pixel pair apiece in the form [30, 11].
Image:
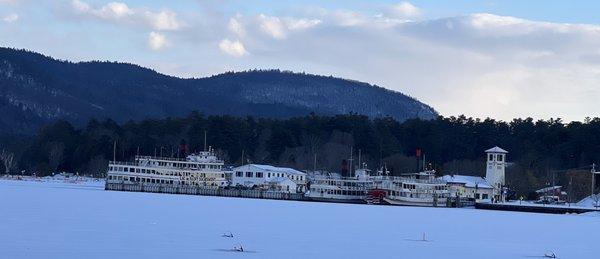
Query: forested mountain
[36, 89]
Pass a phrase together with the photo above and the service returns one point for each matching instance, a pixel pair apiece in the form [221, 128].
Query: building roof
[496, 149]
[467, 180]
[547, 189]
[270, 168]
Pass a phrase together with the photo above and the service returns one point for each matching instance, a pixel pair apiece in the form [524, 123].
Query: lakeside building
[471, 187]
[495, 172]
[269, 177]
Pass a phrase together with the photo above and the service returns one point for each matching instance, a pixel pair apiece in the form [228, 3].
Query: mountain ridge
[37, 89]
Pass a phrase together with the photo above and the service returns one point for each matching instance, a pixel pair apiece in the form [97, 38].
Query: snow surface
[64, 220]
[589, 201]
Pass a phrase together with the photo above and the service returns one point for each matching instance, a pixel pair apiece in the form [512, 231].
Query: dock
[537, 208]
[204, 191]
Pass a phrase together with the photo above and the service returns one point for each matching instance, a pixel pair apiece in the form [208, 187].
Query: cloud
[279, 27]
[347, 18]
[163, 20]
[301, 24]
[233, 48]
[236, 27]
[272, 26]
[157, 41]
[404, 10]
[11, 18]
[118, 12]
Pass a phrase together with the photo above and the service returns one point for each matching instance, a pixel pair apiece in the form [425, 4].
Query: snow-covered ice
[65, 220]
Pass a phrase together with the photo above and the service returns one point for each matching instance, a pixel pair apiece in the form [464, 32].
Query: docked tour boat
[341, 189]
[202, 169]
[419, 189]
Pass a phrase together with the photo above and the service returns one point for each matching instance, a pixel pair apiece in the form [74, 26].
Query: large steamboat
[417, 189]
[334, 188]
[200, 169]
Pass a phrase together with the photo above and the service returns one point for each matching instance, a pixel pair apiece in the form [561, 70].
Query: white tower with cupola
[496, 164]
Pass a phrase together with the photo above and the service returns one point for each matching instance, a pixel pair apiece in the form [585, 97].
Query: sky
[500, 59]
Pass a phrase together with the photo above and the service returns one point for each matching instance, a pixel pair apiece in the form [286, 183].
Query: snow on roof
[270, 168]
[547, 189]
[496, 149]
[467, 180]
[281, 180]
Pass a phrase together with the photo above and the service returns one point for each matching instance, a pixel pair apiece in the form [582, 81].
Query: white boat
[201, 169]
[333, 188]
[419, 189]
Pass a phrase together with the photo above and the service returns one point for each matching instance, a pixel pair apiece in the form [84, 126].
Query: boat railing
[324, 177]
[122, 163]
[407, 179]
[176, 159]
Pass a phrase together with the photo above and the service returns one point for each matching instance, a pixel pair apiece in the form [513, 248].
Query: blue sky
[499, 59]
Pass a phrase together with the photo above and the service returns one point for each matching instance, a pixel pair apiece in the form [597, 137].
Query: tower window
[491, 157]
[500, 158]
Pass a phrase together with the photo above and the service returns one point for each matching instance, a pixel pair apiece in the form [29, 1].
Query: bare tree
[8, 160]
[97, 166]
[55, 154]
[596, 199]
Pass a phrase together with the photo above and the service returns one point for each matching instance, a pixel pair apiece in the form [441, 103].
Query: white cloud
[278, 27]
[11, 18]
[348, 18]
[164, 20]
[114, 10]
[301, 24]
[236, 27]
[157, 41]
[80, 6]
[272, 26]
[233, 48]
[405, 10]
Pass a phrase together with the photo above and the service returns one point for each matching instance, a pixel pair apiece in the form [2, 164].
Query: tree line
[451, 145]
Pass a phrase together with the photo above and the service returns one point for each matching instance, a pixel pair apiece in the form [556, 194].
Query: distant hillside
[36, 89]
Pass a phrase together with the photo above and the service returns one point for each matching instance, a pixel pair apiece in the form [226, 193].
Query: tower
[496, 164]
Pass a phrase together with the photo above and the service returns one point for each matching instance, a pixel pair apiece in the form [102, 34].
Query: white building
[271, 177]
[495, 170]
[470, 187]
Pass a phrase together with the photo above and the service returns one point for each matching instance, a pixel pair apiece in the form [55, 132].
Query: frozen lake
[59, 220]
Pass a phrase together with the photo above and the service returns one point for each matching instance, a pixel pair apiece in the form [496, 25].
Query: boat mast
[359, 163]
[315, 163]
[205, 140]
[350, 160]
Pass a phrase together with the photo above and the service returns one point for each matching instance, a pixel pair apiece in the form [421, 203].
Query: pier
[537, 208]
[204, 191]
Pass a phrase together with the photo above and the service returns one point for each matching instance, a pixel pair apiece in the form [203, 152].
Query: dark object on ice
[239, 248]
[230, 235]
[550, 255]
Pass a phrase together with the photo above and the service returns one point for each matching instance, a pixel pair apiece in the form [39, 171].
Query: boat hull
[338, 200]
[414, 202]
